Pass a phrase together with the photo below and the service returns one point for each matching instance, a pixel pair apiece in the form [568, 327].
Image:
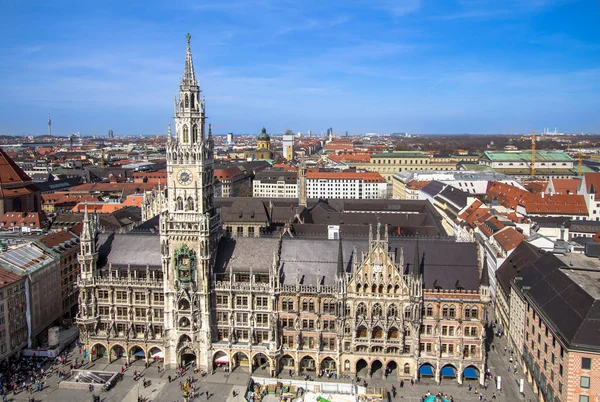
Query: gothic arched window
[377, 310]
[192, 101]
[185, 134]
[392, 311]
[179, 204]
[190, 204]
[187, 101]
[361, 309]
[407, 313]
[194, 133]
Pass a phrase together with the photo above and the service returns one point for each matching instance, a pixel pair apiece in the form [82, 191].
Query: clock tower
[189, 227]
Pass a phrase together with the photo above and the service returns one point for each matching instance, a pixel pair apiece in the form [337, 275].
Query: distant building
[275, 184]
[472, 182]
[229, 138]
[263, 147]
[111, 134]
[288, 146]
[548, 164]
[346, 185]
[388, 163]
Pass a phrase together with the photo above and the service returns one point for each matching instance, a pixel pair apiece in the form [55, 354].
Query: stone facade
[376, 306]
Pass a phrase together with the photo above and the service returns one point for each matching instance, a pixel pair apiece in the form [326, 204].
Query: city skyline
[410, 66]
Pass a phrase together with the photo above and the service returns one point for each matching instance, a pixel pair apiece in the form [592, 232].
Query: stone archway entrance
[286, 363]
[221, 359]
[307, 363]
[117, 352]
[362, 368]
[377, 369]
[240, 362]
[187, 357]
[261, 363]
[98, 351]
[328, 367]
[426, 370]
[155, 354]
[136, 353]
[471, 373]
[391, 369]
[448, 372]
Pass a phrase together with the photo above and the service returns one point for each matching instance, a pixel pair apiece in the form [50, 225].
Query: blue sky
[419, 66]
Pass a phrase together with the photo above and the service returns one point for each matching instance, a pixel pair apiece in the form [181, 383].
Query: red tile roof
[354, 157]
[10, 172]
[67, 198]
[32, 220]
[58, 238]
[227, 173]
[592, 183]
[511, 197]
[417, 184]
[565, 186]
[285, 167]
[98, 207]
[509, 238]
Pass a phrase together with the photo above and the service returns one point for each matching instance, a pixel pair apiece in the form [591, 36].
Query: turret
[302, 196]
[88, 254]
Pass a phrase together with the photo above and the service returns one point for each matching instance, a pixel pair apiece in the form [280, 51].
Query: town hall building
[193, 294]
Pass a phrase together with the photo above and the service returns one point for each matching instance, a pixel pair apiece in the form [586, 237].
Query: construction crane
[533, 153]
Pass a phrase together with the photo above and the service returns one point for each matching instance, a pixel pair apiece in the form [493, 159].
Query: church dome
[263, 136]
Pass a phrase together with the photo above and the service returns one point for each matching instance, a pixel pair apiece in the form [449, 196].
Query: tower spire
[189, 78]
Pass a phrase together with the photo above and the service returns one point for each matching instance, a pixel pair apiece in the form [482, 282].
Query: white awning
[222, 360]
[158, 355]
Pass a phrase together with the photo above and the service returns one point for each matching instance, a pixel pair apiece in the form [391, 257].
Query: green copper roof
[263, 135]
[525, 156]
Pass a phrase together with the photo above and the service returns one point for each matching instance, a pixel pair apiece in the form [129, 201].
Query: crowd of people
[24, 374]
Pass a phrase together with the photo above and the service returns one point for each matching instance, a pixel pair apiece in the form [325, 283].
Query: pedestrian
[169, 377]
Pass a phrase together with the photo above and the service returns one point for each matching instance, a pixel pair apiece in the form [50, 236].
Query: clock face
[184, 177]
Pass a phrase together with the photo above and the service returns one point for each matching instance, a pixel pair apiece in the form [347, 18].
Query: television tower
[49, 126]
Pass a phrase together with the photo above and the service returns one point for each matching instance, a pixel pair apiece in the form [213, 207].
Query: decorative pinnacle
[189, 78]
[169, 130]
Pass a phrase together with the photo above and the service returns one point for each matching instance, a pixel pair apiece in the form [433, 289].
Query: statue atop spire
[189, 78]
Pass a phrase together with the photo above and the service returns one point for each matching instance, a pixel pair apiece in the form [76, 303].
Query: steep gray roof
[121, 250]
[313, 259]
[245, 254]
[520, 258]
[566, 291]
